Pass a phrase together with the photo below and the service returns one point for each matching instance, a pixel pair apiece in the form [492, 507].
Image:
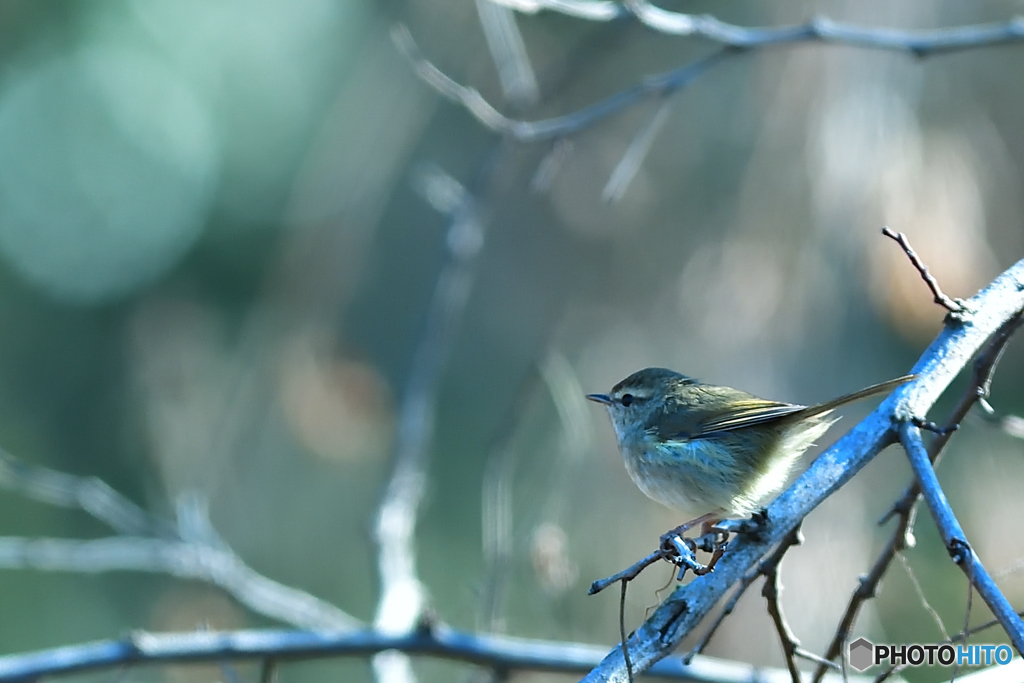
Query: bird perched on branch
[712, 452]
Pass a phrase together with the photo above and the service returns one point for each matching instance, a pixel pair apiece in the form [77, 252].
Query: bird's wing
[696, 421]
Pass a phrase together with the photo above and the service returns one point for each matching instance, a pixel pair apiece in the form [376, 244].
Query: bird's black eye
[626, 399]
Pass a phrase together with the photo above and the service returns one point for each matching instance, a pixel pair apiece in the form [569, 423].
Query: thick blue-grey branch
[963, 335]
[954, 538]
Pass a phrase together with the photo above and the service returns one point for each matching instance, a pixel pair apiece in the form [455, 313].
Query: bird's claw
[681, 551]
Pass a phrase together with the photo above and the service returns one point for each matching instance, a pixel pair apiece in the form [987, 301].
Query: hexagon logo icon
[861, 654]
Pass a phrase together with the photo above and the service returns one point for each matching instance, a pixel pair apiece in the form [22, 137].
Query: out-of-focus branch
[1011, 425]
[402, 597]
[185, 560]
[633, 159]
[732, 39]
[518, 82]
[963, 335]
[190, 549]
[547, 129]
[953, 536]
[495, 652]
[506, 48]
[89, 494]
[919, 43]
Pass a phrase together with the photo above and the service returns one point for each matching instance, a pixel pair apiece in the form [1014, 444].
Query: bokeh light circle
[108, 163]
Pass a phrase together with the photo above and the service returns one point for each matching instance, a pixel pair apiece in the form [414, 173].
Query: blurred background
[219, 243]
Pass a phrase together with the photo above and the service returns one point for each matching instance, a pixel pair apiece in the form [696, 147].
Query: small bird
[712, 452]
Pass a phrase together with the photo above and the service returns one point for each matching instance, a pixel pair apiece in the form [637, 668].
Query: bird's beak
[600, 398]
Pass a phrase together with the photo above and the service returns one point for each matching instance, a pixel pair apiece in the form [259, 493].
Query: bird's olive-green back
[699, 410]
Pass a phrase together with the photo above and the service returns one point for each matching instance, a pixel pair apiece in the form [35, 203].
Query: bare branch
[89, 494]
[941, 363]
[929, 279]
[771, 591]
[276, 647]
[979, 628]
[183, 560]
[402, 596]
[922, 598]
[867, 585]
[594, 10]
[508, 52]
[547, 129]
[622, 630]
[1010, 424]
[732, 39]
[627, 574]
[191, 549]
[744, 584]
[954, 538]
[919, 43]
[905, 508]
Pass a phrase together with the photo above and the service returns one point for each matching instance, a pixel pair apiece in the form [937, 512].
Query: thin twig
[770, 591]
[505, 42]
[960, 637]
[622, 630]
[679, 551]
[922, 598]
[889, 673]
[627, 574]
[553, 128]
[929, 279]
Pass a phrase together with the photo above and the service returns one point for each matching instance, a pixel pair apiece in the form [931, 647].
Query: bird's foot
[753, 526]
[682, 551]
[706, 522]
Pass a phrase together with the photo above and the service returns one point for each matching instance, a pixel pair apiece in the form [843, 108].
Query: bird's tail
[880, 388]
